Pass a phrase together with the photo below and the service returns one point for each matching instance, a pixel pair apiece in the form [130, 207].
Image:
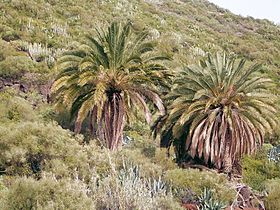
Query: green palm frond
[109, 73]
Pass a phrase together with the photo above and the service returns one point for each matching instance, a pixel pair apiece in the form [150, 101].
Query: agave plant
[110, 77]
[220, 110]
[208, 202]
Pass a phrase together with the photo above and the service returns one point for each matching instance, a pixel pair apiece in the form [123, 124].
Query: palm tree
[220, 110]
[109, 78]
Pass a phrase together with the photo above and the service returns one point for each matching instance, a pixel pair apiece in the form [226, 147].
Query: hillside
[45, 165]
[185, 27]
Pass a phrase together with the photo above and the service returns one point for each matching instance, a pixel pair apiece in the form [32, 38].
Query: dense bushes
[272, 201]
[46, 167]
[197, 181]
[124, 189]
[58, 170]
[16, 66]
[14, 108]
[127, 190]
[60, 166]
[27, 147]
[257, 169]
[46, 193]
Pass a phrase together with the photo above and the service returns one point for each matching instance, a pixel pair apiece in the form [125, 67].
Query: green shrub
[123, 189]
[2, 191]
[161, 158]
[46, 193]
[2, 187]
[272, 201]
[15, 108]
[168, 203]
[257, 169]
[127, 189]
[197, 181]
[10, 35]
[26, 147]
[16, 66]
[135, 156]
[7, 50]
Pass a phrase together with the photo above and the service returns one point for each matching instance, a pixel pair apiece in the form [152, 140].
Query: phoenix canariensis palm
[110, 77]
[220, 109]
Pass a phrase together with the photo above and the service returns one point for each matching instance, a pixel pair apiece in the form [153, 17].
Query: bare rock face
[45, 91]
[28, 84]
[14, 84]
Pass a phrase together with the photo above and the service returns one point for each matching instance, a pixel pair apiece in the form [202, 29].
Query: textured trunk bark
[114, 121]
[100, 130]
[228, 161]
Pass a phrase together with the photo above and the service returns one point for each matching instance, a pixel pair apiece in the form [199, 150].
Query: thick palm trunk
[227, 160]
[114, 121]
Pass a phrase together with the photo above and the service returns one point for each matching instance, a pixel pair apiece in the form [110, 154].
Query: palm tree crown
[220, 110]
[108, 78]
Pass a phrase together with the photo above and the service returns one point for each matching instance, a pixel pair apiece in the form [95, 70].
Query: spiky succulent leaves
[228, 106]
[110, 77]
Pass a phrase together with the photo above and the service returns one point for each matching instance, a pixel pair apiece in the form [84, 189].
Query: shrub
[126, 189]
[2, 191]
[6, 50]
[15, 108]
[123, 189]
[272, 201]
[168, 203]
[39, 52]
[197, 181]
[257, 169]
[26, 147]
[15, 66]
[135, 156]
[167, 162]
[10, 35]
[47, 193]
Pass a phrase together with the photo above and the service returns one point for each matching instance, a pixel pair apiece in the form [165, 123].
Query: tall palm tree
[220, 110]
[110, 77]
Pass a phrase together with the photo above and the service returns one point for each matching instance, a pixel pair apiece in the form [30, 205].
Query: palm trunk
[228, 156]
[100, 134]
[114, 121]
[227, 161]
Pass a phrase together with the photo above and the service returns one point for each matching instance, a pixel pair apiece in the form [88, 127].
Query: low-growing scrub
[16, 66]
[272, 201]
[257, 169]
[123, 189]
[135, 157]
[46, 193]
[126, 189]
[197, 181]
[14, 108]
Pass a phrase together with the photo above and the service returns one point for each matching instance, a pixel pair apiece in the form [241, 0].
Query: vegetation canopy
[220, 110]
[62, 71]
[110, 77]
